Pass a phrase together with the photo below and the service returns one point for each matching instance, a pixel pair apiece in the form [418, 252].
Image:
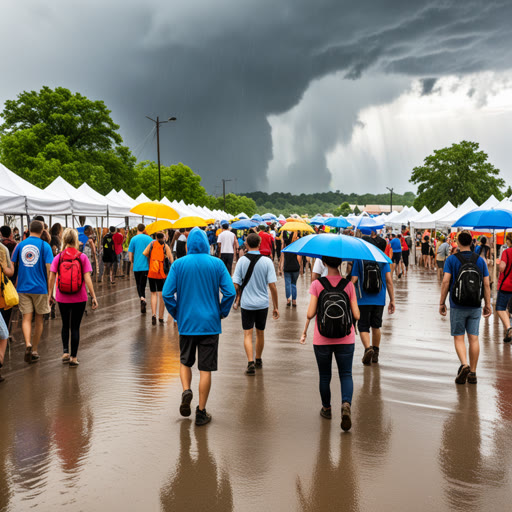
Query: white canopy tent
[448, 220]
[492, 202]
[429, 221]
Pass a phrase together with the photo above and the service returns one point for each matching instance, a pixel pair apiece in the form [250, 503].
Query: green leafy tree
[54, 133]
[454, 174]
[179, 182]
[344, 210]
[235, 205]
[357, 211]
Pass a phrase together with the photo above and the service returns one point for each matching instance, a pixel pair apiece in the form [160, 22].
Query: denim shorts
[464, 320]
[502, 300]
[4, 333]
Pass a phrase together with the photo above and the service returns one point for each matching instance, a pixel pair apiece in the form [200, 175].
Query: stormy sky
[293, 95]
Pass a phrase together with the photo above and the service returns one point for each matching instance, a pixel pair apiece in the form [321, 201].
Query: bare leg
[26, 327]
[3, 347]
[460, 348]
[505, 318]
[474, 351]
[248, 344]
[154, 299]
[260, 343]
[205, 383]
[376, 335]
[185, 376]
[161, 306]
[38, 330]
[365, 338]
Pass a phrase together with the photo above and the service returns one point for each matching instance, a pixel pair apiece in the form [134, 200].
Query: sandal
[28, 354]
[73, 364]
[508, 335]
[65, 359]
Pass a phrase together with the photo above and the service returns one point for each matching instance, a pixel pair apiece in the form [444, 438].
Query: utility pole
[158, 123]
[391, 190]
[224, 191]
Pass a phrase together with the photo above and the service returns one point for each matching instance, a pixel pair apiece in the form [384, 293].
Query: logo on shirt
[30, 255]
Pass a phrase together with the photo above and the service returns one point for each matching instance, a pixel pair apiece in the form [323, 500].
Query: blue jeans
[290, 284]
[344, 355]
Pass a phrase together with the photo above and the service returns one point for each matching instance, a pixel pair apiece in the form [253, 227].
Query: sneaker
[326, 413]
[251, 368]
[375, 357]
[28, 354]
[258, 364]
[202, 417]
[186, 398]
[34, 358]
[346, 417]
[472, 378]
[508, 336]
[142, 307]
[368, 356]
[462, 374]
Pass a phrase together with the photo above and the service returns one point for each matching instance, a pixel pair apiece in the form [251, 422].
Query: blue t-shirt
[396, 245]
[137, 245]
[32, 256]
[367, 299]
[255, 294]
[452, 267]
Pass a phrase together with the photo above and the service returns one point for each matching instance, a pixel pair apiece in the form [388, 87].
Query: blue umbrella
[348, 248]
[257, 218]
[318, 221]
[486, 219]
[244, 224]
[337, 222]
[269, 216]
[368, 224]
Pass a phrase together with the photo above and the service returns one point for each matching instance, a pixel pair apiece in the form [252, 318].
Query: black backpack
[372, 278]
[334, 314]
[467, 289]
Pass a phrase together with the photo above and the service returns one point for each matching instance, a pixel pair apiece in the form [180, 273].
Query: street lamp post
[391, 208]
[158, 123]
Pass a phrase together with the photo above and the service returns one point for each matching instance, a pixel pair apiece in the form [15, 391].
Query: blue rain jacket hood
[191, 290]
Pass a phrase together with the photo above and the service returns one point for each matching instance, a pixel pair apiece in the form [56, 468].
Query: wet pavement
[108, 435]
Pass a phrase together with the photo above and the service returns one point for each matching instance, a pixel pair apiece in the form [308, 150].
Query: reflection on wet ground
[108, 436]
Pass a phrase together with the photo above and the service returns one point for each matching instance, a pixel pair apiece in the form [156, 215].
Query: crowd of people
[200, 275]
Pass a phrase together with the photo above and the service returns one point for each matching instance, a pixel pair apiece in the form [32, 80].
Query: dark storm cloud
[427, 85]
[223, 67]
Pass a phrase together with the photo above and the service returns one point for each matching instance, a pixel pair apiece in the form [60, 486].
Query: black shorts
[207, 351]
[397, 257]
[156, 285]
[254, 317]
[371, 317]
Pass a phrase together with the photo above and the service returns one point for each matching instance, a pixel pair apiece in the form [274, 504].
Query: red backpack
[70, 272]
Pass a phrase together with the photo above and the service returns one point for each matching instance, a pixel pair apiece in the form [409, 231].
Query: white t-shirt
[227, 241]
[320, 268]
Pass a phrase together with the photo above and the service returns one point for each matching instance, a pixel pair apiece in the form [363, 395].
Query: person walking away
[181, 244]
[212, 240]
[6, 268]
[466, 277]
[332, 298]
[483, 250]
[376, 240]
[90, 249]
[267, 242]
[372, 280]
[425, 251]
[71, 270]
[442, 253]
[291, 266]
[505, 288]
[405, 254]
[254, 274]
[33, 258]
[56, 238]
[279, 244]
[157, 252]
[191, 295]
[227, 246]
[7, 238]
[140, 263]
[396, 246]
[118, 239]
[127, 264]
[109, 254]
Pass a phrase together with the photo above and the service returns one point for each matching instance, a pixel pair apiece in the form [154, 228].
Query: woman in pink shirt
[71, 303]
[342, 348]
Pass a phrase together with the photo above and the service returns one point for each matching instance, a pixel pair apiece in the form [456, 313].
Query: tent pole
[494, 282]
